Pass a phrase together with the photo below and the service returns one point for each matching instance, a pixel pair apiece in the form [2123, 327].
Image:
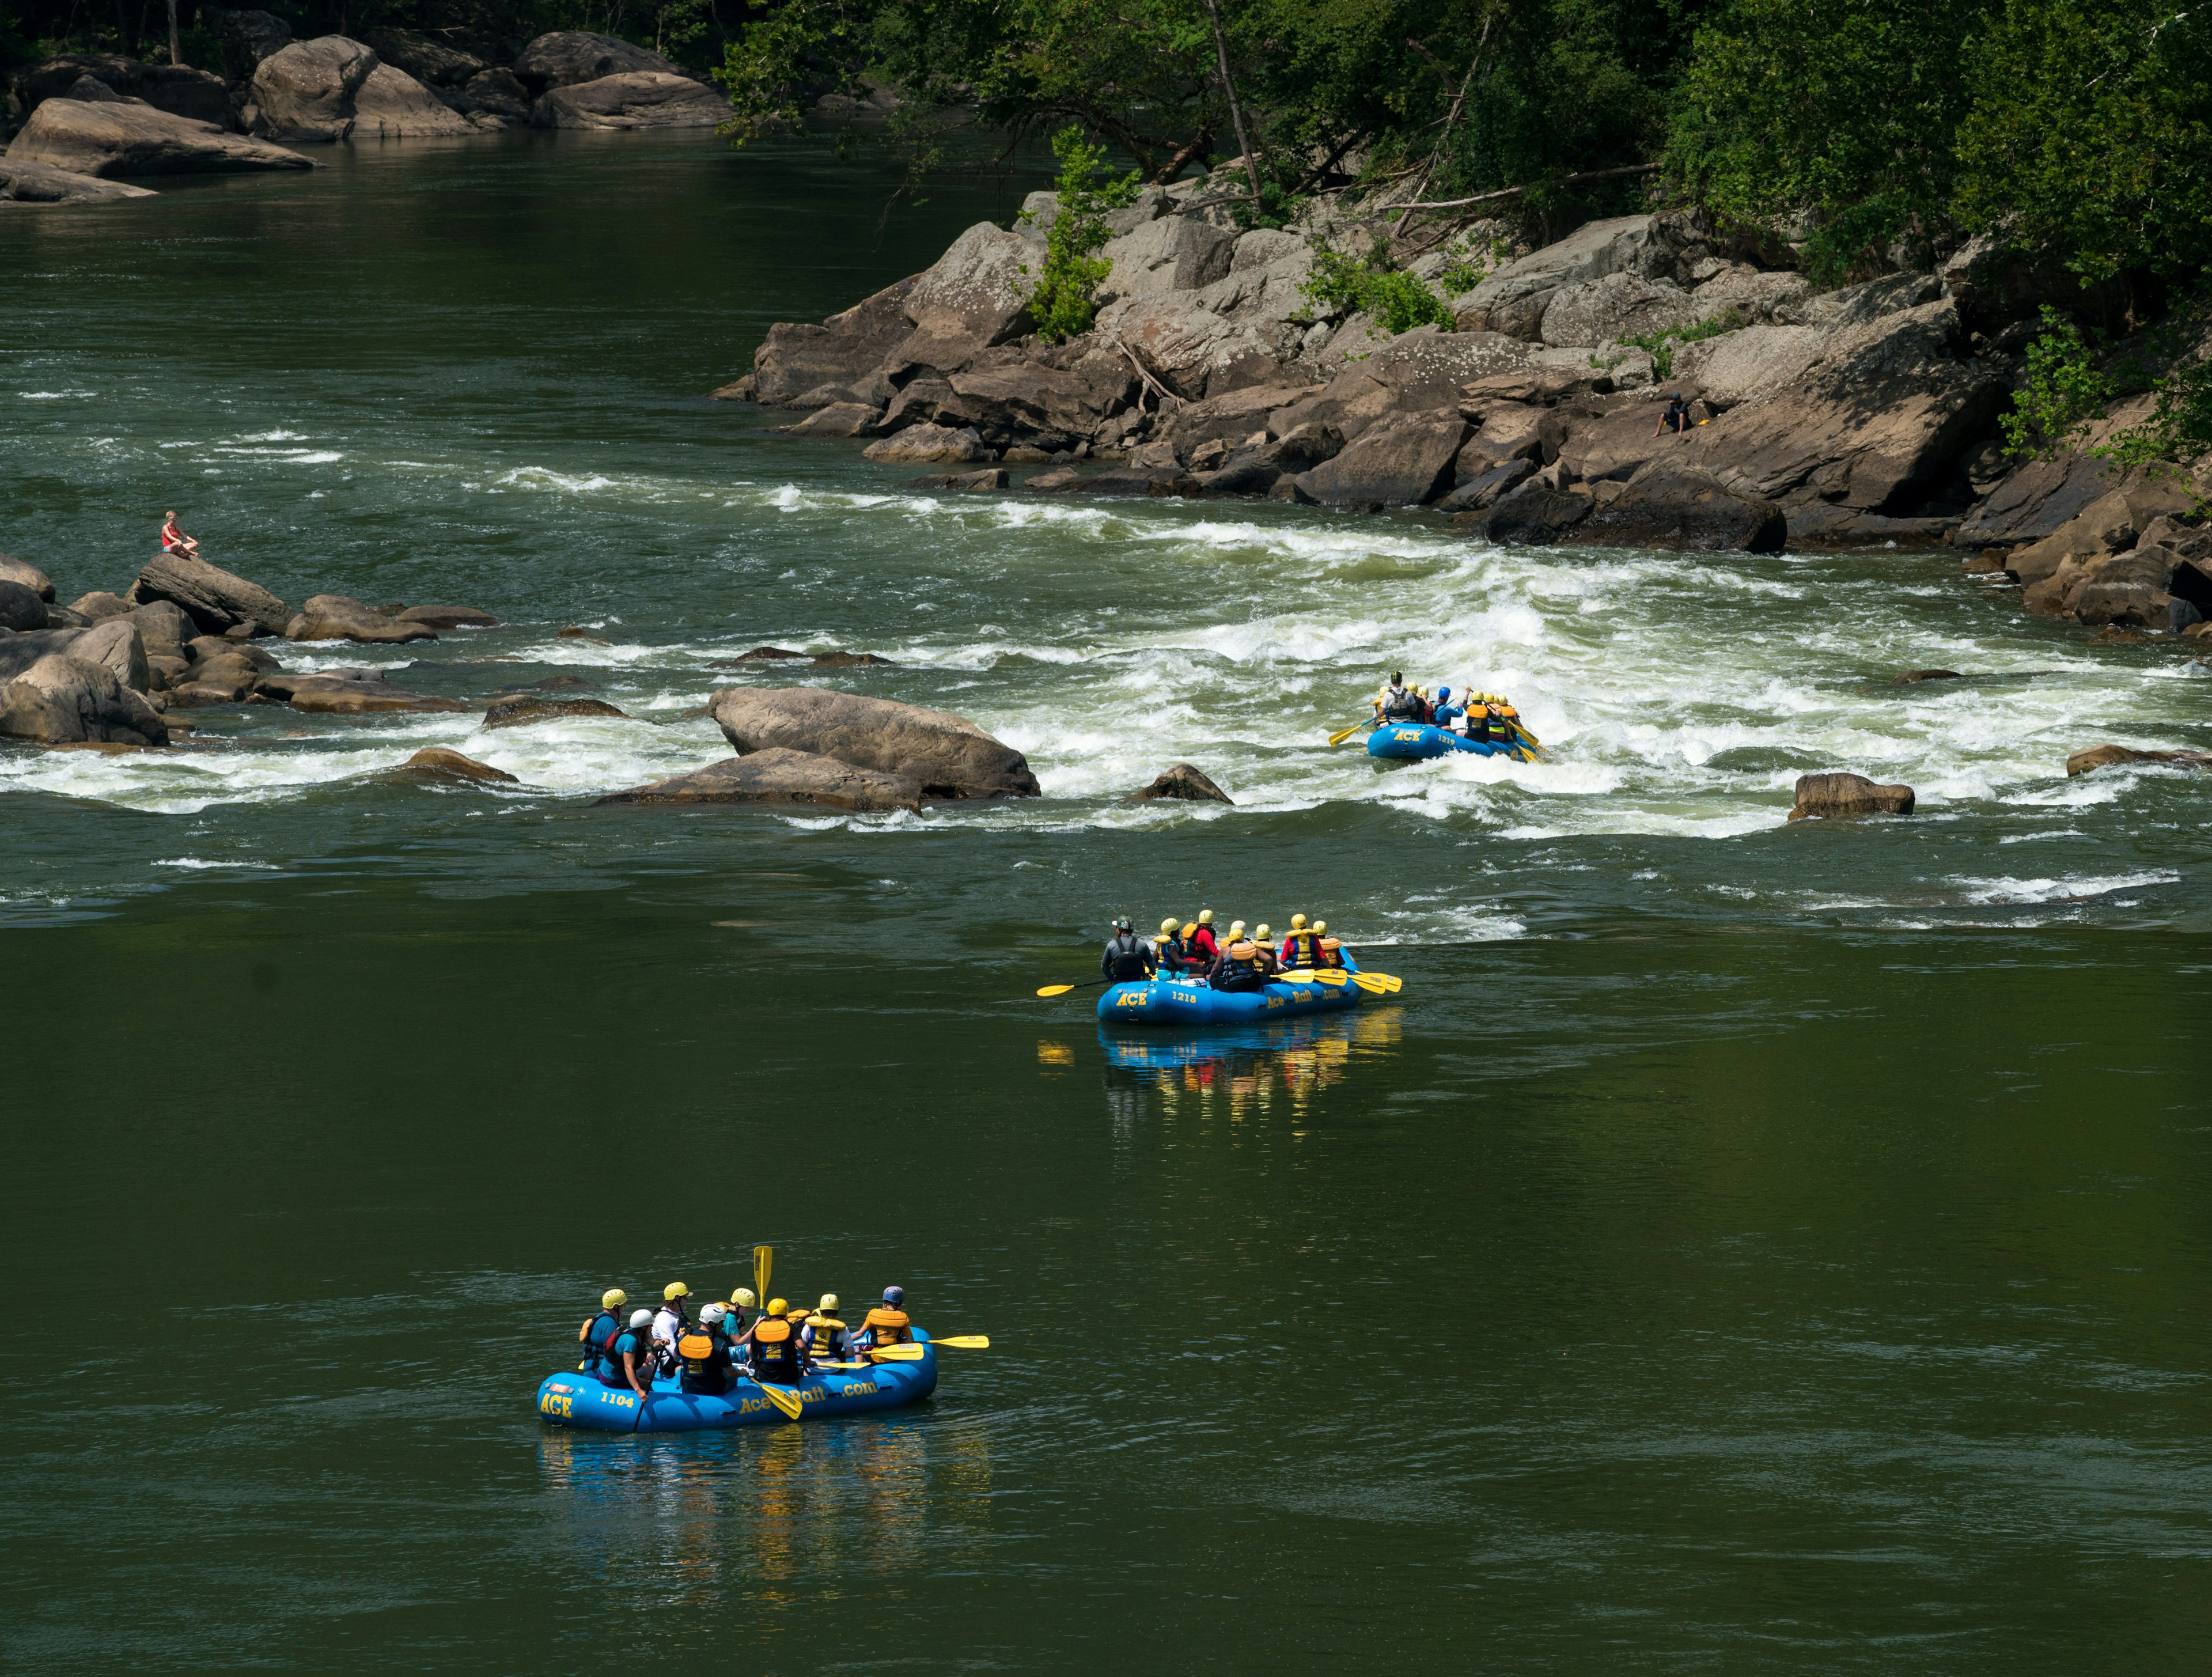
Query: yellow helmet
[777, 1307]
[675, 1290]
[1265, 931]
[1298, 922]
[828, 1302]
[1206, 916]
[1168, 924]
[743, 1296]
[611, 1297]
[1320, 927]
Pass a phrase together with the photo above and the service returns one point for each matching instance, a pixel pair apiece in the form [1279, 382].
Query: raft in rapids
[1413, 741]
[580, 1400]
[1191, 1001]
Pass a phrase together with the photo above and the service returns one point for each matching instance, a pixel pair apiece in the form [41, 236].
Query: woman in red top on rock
[174, 540]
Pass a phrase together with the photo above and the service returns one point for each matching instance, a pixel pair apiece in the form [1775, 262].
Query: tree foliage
[1063, 297]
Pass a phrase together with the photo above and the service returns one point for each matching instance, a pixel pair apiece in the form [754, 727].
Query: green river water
[1742, 1248]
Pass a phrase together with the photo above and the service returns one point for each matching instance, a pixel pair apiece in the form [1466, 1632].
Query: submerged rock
[520, 713]
[23, 181]
[1822, 797]
[778, 775]
[1186, 782]
[347, 693]
[991, 478]
[449, 617]
[2104, 757]
[1913, 678]
[947, 755]
[435, 762]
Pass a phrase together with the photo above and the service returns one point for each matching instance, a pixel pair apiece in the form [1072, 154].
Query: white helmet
[641, 1318]
[713, 1313]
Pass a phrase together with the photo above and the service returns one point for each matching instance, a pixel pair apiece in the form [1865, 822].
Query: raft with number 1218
[1191, 1001]
[581, 1401]
[1415, 741]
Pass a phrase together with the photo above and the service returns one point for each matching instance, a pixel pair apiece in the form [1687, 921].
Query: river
[1742, 1247]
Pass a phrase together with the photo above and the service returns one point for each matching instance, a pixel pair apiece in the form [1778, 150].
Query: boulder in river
[449, 617]
[1664, 507]
[521, 713]
[20, 608]
[1914, 677]
[634, 99]
[333, 88]
[991, 478]
[63, 699]
[948, 755]
[1825, 796]
[778, 775]
[843, 352]
[104, 139]
[212, 598]
[178, 89]
[164, 627]
[1183, 781]
[567, 57]
[2104, 757]
[1401, 461]
[918, 444]
[839, 419]
[115, 644]
[28, 575]
[347, 693]
[23, 181]
[337, 617]
[98, 606]
[1535, 515]
[435, 762]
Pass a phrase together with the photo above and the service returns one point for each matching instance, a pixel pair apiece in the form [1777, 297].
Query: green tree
[1063, 297]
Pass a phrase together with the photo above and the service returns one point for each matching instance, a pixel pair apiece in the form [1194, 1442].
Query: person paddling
[174, 540]
[598, 1334]
[1199, 939]
[1174, 954]
[774, 1346]
[887, 1324]
[1128, 958]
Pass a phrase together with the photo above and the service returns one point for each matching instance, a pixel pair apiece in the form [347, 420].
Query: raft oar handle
[1062, 989]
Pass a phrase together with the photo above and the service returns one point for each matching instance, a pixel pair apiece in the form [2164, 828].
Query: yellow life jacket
[1242, 950]
[888, 1326]
[697, 1350]
[826, 1330]
[1303, 948]
[1329, 955]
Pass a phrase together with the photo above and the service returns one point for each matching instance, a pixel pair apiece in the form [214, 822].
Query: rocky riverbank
[81, 119]
[1864, 414]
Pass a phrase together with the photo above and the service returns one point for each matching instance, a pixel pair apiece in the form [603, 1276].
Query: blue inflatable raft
[1191, 1001]
[580, 1400]
[1418, 741]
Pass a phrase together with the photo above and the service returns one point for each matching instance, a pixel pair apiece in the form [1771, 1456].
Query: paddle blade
[965, 1341]
[1333, 978]
[843, 1365]
[1055, 989]
[897, 1353]
[1338, 739]
[782, 1399]
[1300, 977]
[1375, 983]
[763, 1257]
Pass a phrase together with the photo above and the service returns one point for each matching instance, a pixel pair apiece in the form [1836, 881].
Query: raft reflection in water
[1244, 1070]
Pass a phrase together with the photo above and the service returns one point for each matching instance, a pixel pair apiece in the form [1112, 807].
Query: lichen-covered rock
[1174, 253]
[1829, 795]
[1513, 300]
[1733, 369]
[782, 776]
[1618, 305]
[948, 755]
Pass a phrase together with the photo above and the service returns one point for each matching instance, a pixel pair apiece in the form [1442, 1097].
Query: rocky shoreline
[1863, 415]
[79, 120]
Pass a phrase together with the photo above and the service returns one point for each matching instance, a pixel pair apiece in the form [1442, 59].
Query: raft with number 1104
[582, 1400]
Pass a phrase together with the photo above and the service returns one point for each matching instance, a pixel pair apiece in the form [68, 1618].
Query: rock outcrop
[435, 763]
[948, 756]
[212, 598]
[2107, 756]
[1183, 781]
[1675, 507]
[521, 713]
[22, 181]
[568, 57]
[65, 700]
[180, 91]
[20, 607]
[1829, 795]
[634, 99]
[338, 617]
[333, 88]
[780, 776]
[103, 139]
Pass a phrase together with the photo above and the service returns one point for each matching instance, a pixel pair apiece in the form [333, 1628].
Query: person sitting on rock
[1676, 418]
[887, 1324]
[174, 540]
[1128, 958]
[629, 1363]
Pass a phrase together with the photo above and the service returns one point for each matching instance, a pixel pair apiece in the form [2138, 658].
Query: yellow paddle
[896, 1353]
[763, 1256]
[1328, 976]
[1378, 983]
[1062, 989]
[782, 1400]
[965, 1341]
[1338, 739]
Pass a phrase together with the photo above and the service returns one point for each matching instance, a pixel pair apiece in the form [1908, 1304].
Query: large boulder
[1619, 305]
[844, 351]
[1513, 300]
[948, 755]
[22, 181]
[1537, 514]
[246, 38]
[212, 598]
[966, 301]
[163, 626]
[25, 575]
[437, 764]
[337, 617]
[1416, 372]
[1183, 781]
[2112, 523]
[333, 88]
[2037, 500]
[1174, 253]
[195, 94]
[1664, 507]
[634, 98]
[1191, 351]
[21, 607]
[1734, 368]
[1255, 469]
[1401, 462]
[103, 140]
[1041, 406]
[116, 645]
[1826, 796]
[63, 699]
[2106, 757]
[778, 775]
[522, 713]
[569, 56]
[432, 62]
[20, 651]
[919, 443]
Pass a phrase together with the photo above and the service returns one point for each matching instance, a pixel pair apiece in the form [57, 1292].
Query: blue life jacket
[599, 1333]
[638, 1341]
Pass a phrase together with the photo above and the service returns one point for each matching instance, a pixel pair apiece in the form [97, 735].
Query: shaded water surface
[1741, 1248]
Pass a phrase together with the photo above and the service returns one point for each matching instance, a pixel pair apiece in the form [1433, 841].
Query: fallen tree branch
[1160, 392]
[1516, 192]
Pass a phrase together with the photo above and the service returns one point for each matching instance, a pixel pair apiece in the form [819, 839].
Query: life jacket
[641, 1346]
[598, 1346]
[885, 1325]
[1202, 944]
[827, 1338]
[1331, 953]
[1241, 953]
[703, 1361]
[1172, 953]
[1125, 958]
[1400, 704]
[1299, 949]
[775, 1350]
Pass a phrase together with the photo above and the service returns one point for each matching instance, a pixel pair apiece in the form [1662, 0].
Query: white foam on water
[196, 862]
[2000, 892]
[54, 395]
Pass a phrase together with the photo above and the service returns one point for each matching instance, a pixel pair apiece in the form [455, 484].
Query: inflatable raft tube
[1413, 741]
[579, 1401]
[1187, 1001]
